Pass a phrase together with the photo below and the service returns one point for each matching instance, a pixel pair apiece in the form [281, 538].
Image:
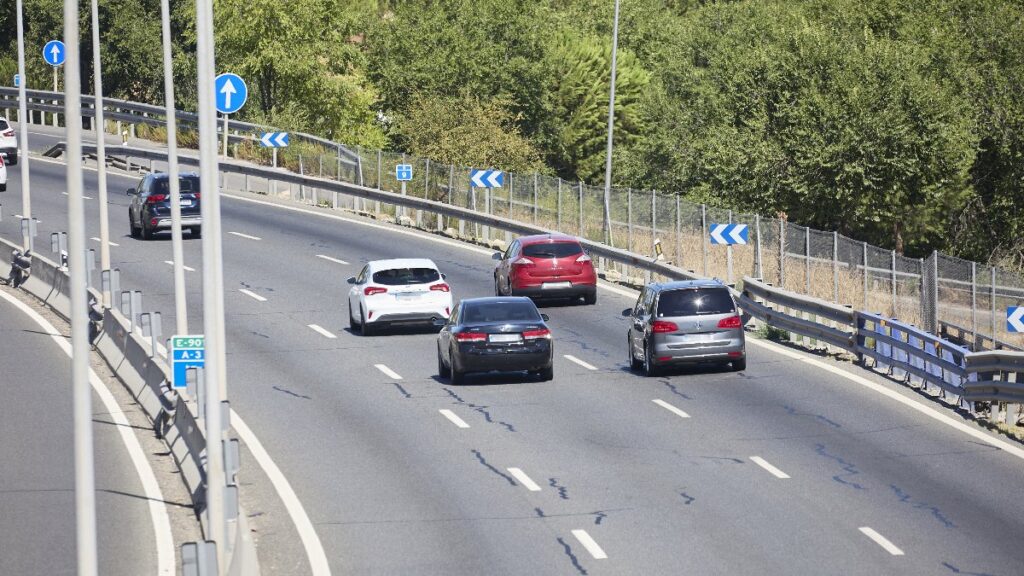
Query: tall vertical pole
[629, 219]
[974, 304]
[611, 123]
[704, 236]
[225, 135]
[807, 260]
[934, 293]
[558, 216]
[581, 211]
[213, 281]
[85, 482]
[865, 246]
[782, 253]
[679, 233]
[101, 153]
[177, 249]
[835, 267]
[728, 256]
[758, 265]
[992, 301]
[23, 121]
[535, 198]
[895, 296]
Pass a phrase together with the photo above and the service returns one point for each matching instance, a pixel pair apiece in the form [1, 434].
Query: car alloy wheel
[649, 367]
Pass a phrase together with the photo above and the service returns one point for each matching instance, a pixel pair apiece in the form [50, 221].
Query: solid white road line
[388, 371]
[589, 544]
[240, 235]
[83, 197]
[524, 479]
[171, 263]
[335, 260]
[325, 333]
[165, 550]
[314, 549]
[454, 419]
[572, 358]
[772, 469]
[253, 295]
[671, 408]
[881, 541]
[108, 242]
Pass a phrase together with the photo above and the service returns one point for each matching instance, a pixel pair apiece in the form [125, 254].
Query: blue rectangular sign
[403, 172]
[186, 352]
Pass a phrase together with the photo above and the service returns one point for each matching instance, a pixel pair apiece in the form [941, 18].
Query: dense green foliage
[900, 122]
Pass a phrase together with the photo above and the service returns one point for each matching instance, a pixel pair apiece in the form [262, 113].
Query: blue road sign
[274, 139]
[729, 233]
[1015, 319]
[231, 93]
[403, 172]
[17, 80]
[186, 352]
[54, 53]
[487, 178]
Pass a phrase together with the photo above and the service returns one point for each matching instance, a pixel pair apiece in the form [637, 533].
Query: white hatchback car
[8, 142]
[398, 292]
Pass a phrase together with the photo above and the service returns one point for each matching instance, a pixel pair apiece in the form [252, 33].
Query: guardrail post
[704, 235]
[835, 267]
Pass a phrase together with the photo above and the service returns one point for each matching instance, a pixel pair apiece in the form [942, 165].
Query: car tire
[739, 365]
[649, 367]
[590, 298]
[133, 231]
[147, 234]
[442, 370]
[352, 323]
[634, 364]
[364, 328]
[497, 287]
[3, 187]
[546, 374]
[12, 159]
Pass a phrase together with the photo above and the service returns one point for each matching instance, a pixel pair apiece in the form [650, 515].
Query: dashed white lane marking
[171, 263]
[252, 295]
[454, 419]
[108, 242]
[771, 469]
[671, 408]
[881, 541]
[572, 358]
[524, 479]
[246, 236]
[589, 544]
[388, 371]
[83, 197]
[335, 260]
[325, 333]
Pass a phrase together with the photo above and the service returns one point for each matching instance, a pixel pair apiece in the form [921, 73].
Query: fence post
[582, 235]
[558, 217]
[807, 260]
[654, 231]
[782, 253]
[934, 294]
[758, 269]
[835, 267]
[974, 304]
[728, 257]
[629, 220]
[992, 299]
[704, 235]
[865, 246]
[895, 302]
[302, 172]
[679, 233]
[426, 194]
[534, 197]
[472, 199]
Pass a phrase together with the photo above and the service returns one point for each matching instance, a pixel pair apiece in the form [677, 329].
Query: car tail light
[442, 287]
[523, 262]
[154, 198]
[663, 327]
[152, 222]
[371, 290]
[537, 334]
[9, 133]
[447, 312]
[1, 159]
[735, 354]
[471, 337]
[196, 194]
[730, 322]
[583, 258]
[664, 358]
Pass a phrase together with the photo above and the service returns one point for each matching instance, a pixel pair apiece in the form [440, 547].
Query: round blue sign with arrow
[231, 93]
[54, 53]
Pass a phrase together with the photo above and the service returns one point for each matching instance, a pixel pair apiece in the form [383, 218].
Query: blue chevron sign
[274, 139]
[1015, 319]
[729, 233]
[487, 178]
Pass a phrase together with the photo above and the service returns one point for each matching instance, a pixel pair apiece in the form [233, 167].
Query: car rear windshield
[695, 302]
[186, 184]
[552, 250]
[500, 312]
[406, 276]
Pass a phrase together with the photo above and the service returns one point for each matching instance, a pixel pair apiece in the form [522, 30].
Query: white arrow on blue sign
[729, 233]
[231, 93]
[274, 139]
[1015, 319]
[487, 178]
[403, 172]
[54, 52]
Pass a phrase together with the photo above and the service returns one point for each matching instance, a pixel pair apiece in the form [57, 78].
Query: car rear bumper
[714, 351]
[186, 221]
[506, 359]
[572, 291]
[406, 318]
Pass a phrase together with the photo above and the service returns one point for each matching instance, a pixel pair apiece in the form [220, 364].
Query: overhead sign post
[729, 234]
[274, 140]
[187, 351]
[230, 93]
[1014, 319]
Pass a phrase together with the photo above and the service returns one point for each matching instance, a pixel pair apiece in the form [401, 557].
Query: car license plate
[407, 296]
[504, 338]
[185, 203]
[555, 285]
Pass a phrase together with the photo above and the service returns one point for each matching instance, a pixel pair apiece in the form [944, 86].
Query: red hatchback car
[546, 266]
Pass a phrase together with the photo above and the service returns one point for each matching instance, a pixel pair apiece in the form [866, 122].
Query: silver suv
[685, 322]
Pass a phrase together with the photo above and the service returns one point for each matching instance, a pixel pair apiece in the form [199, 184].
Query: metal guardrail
[975, 341]
[815, 308]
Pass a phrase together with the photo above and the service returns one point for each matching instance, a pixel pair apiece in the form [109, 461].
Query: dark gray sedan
[504, 334]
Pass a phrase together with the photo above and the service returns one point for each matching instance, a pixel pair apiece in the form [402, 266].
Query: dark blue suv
[150, 210]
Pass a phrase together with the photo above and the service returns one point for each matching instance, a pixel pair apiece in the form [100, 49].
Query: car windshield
[552, 250]
[186, 184]
[406, 276]
[474, 312]
[695, 302]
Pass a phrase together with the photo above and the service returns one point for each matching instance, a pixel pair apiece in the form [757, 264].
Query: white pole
[225, 135]
[26, 198]
[213, 293]
[85, 481]
[611, 122]
[180, 310]
[101, 153]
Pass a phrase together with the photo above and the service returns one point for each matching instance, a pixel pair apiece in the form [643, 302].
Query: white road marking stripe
[165, 550]
[881, 541]
[524, 479]
[240, 235]
[253, 295]
[321, 330]
[671, 408]
[83, 197]
[572, 358]
[108, 241]
[171, 263]
[332, 259]
[772, 469]
[388, 371]
[454, 419]
[589, 544]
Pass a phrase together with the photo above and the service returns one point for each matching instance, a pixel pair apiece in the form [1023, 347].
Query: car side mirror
[627, 312]
[351, 280]
[130, 191]
[544, 317]
[440, 322]
[496, 256]
[444, 276]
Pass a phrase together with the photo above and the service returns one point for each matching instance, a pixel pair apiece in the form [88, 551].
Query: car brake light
[662, 327]
[152, 222]
[536, 334]
[664, 358]
[736, 354]
[196, 194]
[447, 312]
[471, 336]
[730, 322]
[523, 262]
[583, 258]
[154, 198]
[442, 287]
[9, 133]
[371, 290]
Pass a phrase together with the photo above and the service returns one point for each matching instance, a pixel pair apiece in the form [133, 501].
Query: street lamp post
[26, 198]
[101, 154]
[611, 122]
[180, 311]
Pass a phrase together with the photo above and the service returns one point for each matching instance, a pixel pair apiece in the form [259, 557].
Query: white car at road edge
[398, 292]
